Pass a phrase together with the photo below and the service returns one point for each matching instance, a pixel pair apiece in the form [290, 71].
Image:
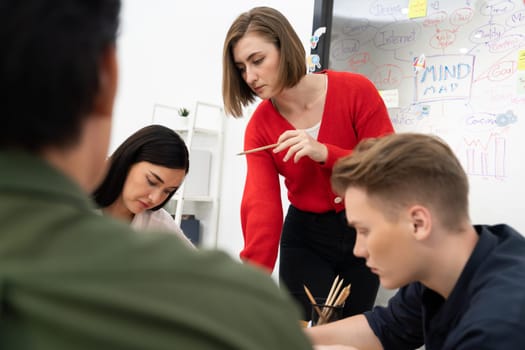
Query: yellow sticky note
[521, 60]
[417, 8]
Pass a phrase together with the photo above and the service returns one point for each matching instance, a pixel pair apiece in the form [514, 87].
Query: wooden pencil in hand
[258, 149]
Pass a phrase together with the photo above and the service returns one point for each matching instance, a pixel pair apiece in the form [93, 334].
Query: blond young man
[461, 286]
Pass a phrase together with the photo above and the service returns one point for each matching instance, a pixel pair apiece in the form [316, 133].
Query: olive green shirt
[72, 279]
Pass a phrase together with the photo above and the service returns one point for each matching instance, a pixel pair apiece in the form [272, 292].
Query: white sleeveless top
[314, 130]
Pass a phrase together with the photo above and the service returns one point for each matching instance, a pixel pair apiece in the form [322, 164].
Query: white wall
[170, 52]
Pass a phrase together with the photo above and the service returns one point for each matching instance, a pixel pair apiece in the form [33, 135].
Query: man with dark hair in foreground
[70, 278]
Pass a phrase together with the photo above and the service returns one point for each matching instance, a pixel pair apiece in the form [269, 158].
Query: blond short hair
[407, 168]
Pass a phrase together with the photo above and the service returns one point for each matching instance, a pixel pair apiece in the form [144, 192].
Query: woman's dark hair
[155, 144]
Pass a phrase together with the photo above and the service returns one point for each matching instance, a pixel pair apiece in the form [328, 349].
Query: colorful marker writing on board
[420, 63]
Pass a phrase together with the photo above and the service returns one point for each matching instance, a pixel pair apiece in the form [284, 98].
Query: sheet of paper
[390, 97]
[521, 83]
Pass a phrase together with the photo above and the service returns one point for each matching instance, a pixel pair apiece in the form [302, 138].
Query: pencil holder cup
[322, 313]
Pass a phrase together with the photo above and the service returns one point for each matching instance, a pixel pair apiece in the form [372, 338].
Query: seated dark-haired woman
[144, 172]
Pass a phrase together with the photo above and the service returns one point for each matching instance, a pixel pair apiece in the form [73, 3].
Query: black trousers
[314, 249]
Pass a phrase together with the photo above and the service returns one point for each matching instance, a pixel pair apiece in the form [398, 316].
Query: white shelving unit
[199, 195]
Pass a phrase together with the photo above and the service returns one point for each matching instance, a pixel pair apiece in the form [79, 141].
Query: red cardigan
[353, 111]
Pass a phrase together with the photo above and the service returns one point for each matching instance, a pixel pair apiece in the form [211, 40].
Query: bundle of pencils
[336, 298]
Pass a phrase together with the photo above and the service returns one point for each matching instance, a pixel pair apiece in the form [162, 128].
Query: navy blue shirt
[485, 310]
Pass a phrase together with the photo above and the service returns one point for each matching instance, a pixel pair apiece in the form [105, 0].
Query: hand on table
[334, 347]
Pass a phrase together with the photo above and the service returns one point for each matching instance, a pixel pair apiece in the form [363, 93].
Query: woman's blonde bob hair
[274, 27]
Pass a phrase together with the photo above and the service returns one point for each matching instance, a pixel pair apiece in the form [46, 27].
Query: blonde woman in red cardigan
[315, 119]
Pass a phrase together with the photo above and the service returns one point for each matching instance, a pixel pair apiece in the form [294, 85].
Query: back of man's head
[407, 168]
[49, 68]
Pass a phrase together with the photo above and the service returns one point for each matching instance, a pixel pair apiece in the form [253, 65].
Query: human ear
[421, 221]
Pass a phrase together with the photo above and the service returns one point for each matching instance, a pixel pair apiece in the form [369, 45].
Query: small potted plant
[184, 112]
[181, 122]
